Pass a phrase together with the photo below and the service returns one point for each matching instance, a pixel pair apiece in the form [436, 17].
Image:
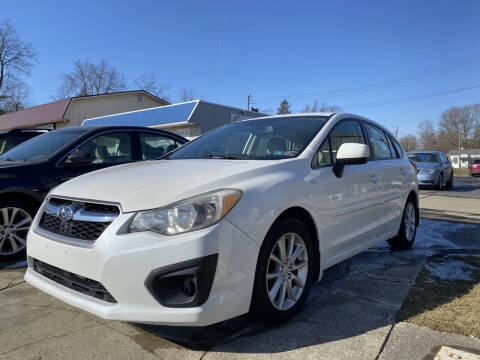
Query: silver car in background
[434, 169]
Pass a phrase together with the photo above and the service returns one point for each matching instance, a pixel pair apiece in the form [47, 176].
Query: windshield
[41, 147]
[272, 138]
[423, 157]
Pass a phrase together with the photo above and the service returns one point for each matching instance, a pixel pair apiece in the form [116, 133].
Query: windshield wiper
[9, 159]
[228, 157]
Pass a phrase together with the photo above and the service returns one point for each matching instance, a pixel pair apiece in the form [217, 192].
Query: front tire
[449, 183]
[408, 228]
[284, 272]
[440, 182]
[16, 217]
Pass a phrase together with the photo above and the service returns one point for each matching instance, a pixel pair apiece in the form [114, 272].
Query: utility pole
[248, 102]
[396, 132]
[459, 156]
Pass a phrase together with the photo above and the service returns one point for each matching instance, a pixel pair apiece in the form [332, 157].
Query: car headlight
[195, 213]
[429, 171]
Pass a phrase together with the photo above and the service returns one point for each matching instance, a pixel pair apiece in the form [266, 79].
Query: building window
[139, 98]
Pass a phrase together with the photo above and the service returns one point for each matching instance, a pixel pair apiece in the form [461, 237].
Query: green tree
[284, 108]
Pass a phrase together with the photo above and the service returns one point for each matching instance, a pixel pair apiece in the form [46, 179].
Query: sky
[297, 50]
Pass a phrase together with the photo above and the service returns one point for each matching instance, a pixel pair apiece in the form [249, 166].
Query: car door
[390, 177]
[347, 207]
[104, 150]
[153, 145]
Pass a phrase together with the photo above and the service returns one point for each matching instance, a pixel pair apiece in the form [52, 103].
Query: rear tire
[408, 228]
[16, 217]
[283, 276]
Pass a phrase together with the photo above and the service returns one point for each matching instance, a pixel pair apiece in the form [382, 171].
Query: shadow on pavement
[449, 215]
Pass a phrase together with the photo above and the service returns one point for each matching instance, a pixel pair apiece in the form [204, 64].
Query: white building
[464, 158]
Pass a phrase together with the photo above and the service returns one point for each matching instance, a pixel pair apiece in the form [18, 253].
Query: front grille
[73, 281]
[89, 206]
[89, 220]
[83, 230]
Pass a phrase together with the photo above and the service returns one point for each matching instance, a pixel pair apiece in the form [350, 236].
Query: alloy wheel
[410, 221]
[287, 271]
[14, 225]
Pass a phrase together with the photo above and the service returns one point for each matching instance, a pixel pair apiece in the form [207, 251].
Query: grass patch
[461, 172]
[451, 306]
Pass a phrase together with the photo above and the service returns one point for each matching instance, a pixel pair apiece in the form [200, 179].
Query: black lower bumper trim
[72, 281]
[185, 284]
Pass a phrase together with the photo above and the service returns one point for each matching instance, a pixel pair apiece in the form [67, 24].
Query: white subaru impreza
[243, 218]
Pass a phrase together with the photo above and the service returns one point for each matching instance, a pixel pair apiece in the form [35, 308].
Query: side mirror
[79, 157]
[350, 154]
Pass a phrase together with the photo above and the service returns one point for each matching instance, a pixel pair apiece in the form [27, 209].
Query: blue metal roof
[150, 117]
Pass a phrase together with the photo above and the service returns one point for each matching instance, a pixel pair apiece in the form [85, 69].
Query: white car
[244, 218]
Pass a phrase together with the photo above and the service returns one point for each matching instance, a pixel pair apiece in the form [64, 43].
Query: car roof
[423, 152]
[97, 128]
[14, 131]
[324, 114]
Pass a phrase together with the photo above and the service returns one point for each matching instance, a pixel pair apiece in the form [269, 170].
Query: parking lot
[350, 314]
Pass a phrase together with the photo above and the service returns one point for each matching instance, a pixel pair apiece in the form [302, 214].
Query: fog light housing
[185, 284]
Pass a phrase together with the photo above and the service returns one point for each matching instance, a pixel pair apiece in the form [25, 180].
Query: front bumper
[427, 179]
[122, 263]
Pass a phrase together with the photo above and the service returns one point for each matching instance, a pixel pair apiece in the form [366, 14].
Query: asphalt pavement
[463, 187]
[350, 314]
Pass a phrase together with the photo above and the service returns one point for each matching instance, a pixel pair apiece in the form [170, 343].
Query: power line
[435, 71]
[408, 99]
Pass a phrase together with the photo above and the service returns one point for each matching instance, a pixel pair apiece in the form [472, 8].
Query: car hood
[151, 184]
[427, 165]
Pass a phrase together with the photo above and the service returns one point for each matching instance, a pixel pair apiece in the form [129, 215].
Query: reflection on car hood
[151, 184]
[427, 165]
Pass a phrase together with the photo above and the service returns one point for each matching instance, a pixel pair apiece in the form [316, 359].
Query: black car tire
[449, 183]
[23, 209]
[439, 185]
[261, 305]
[401, 241]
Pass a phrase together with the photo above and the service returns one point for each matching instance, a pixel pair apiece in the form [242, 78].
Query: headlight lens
[191, 214]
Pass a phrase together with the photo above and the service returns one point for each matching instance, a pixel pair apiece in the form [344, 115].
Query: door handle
[374, 179]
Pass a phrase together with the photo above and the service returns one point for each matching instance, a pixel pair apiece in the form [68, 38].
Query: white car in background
[242, 219]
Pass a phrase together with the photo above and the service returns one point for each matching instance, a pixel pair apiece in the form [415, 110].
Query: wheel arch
[304, 216]
[20, 196]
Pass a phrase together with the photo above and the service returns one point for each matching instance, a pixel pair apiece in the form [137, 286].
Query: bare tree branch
[149, 83]
[16, 59]
[87, 78]
[186, 95]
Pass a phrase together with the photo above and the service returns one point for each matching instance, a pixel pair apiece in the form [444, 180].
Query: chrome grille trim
[81, 214]
[81, 229]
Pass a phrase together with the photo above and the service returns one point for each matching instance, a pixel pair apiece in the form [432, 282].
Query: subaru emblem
[66, 213]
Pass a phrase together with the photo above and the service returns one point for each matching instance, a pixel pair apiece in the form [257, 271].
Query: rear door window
[155, 145]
